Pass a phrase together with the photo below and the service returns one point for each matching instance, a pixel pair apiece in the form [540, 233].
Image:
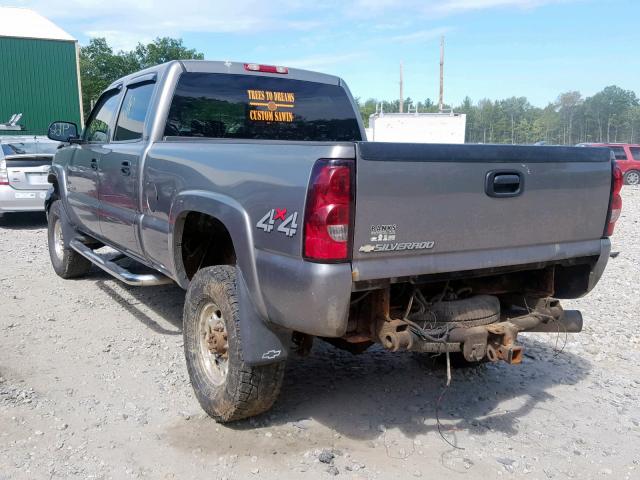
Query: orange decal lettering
[261, 115]
[256, 94]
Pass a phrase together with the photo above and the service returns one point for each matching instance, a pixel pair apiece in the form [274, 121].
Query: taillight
[254, 67]
[4, 175]
[615, 205]
[328, 217]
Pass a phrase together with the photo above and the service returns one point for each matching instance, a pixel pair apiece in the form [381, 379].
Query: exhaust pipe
[569, 322]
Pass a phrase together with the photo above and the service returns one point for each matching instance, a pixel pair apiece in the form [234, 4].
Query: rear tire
[632, 177]
[66, 262]
[226, 388]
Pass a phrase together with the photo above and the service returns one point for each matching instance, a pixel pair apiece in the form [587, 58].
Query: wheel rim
[58, 239]
[633, 178]
[212, 333]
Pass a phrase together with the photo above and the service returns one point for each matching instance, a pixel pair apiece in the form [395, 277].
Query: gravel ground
[93, 385]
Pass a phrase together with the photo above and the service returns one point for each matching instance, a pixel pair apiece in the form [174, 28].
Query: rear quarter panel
[259, 176]
[244, 182]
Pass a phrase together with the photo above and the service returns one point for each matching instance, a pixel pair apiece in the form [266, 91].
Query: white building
[417, 127]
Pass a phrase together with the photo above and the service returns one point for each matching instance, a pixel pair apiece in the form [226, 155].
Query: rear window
[215, 105]
[619, 153]
[635, 152]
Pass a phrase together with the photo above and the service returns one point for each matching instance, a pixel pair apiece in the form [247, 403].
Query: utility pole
[401, 90]
[441, 98]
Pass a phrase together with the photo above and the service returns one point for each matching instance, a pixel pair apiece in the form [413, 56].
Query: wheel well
[53, 180]
[204, 242]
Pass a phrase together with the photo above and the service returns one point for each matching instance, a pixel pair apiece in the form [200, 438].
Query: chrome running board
[121, 273]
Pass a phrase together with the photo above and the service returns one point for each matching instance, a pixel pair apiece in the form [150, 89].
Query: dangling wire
[433, 334]
[554, 320]
[437, 335]
[440, 398]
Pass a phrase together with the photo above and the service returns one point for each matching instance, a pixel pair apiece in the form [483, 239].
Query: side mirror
[63, 131]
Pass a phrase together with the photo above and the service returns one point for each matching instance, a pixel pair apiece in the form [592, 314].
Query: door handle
[125, 169]
[504, 183]
[94, 164]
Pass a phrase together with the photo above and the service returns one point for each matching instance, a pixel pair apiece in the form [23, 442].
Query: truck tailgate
[475, 206]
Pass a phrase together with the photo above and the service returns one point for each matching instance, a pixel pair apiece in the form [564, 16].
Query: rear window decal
[266, 105]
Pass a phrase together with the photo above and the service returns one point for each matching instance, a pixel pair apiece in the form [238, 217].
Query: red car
[628, 158]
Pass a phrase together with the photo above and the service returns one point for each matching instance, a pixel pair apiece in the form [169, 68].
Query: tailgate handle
[504, 183]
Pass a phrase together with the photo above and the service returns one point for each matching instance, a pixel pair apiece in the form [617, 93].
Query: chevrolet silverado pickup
[250, 186]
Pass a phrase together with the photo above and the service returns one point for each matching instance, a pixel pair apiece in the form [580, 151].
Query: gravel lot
[93, 385]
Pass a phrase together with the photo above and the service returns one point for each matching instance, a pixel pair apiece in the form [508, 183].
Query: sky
[493, 48]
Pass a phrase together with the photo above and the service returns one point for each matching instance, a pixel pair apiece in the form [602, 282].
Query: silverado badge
[396, 247]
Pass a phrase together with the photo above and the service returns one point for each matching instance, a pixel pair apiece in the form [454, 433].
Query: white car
[24, 167]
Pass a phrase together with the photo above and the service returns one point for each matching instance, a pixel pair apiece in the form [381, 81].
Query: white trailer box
[417, 127]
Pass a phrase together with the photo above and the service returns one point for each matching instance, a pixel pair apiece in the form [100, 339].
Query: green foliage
[99, 65]
[163, 50]
[611, 115]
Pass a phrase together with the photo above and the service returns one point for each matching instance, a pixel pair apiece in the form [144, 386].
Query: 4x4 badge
[288, 225]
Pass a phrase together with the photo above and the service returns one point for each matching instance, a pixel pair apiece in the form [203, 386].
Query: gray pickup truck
[251, 187]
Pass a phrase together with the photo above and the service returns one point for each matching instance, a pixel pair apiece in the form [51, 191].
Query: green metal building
[39, 73]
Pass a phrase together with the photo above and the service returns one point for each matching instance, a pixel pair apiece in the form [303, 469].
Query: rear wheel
[227, 388]
[632, 177]
[66, 262]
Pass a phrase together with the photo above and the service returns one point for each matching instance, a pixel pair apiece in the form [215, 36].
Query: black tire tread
[248, 390]
[73, 265]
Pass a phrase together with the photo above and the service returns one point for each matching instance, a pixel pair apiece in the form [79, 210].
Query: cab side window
[133, 112]
[97, 131]
[619, 153]
[635, 151]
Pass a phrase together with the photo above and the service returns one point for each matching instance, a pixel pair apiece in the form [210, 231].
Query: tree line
[611, 115]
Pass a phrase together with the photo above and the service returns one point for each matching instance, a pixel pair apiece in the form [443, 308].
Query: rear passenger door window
[635, 153]
[130, 124]
[619, 153]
